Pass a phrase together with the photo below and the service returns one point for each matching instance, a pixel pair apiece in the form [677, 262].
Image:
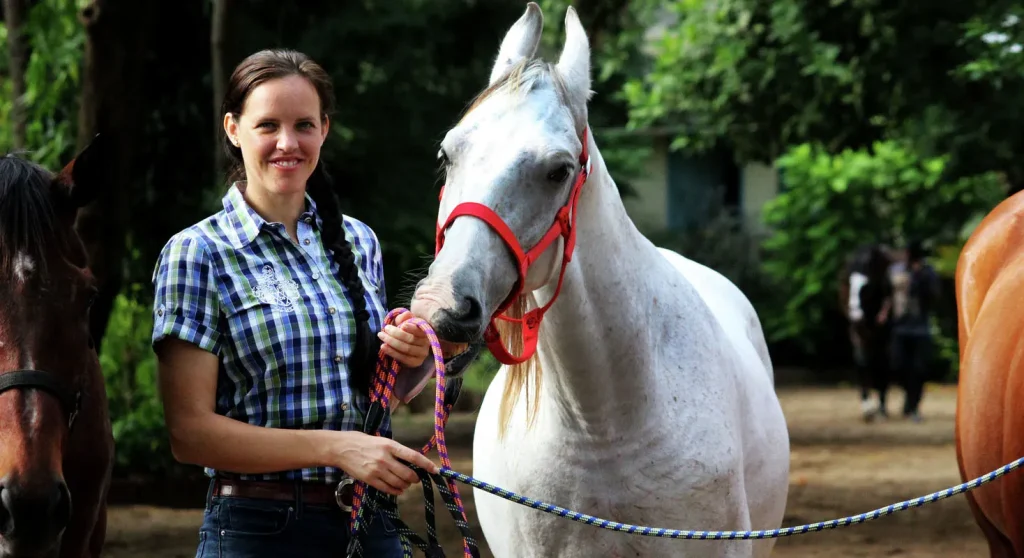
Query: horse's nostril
[62, 508]
[471, 310]
[463, 323]
[6, 521]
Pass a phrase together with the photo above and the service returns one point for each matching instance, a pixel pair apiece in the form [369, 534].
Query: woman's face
[280, 133]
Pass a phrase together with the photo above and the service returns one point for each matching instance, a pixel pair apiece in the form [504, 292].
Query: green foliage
[611, 31]
[833, 204]
[129, 369]
[995, 38]
[760, 76]
[478, 375]
[52, 83]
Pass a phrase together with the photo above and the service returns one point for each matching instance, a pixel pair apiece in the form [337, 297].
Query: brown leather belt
[310, 493]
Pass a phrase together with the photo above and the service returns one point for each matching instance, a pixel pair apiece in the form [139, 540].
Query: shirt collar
[247, 224]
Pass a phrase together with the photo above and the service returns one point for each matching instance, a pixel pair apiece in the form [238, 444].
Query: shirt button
[316, 275]
[331, 310]
[306, 242]
[308, 220]
[344, 406]
[337, 359]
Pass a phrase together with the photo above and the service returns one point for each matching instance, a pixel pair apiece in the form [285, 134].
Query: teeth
[285, 163]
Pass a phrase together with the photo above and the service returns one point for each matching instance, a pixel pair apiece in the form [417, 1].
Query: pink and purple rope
[382, 391]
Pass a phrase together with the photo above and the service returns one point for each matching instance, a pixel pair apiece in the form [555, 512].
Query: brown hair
[272, 64]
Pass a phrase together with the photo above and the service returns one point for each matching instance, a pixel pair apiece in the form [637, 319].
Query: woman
[264, 314]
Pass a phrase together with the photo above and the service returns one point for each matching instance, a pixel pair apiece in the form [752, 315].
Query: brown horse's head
[47, 360]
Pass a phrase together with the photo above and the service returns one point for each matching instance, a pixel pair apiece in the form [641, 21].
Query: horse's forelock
[27, 221]
[522, 78]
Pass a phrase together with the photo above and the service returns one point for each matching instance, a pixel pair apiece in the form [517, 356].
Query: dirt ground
[840, 466]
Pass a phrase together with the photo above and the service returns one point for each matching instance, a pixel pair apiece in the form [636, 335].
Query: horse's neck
[597, 339]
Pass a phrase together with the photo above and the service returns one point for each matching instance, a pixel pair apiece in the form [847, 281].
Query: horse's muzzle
[32, 517]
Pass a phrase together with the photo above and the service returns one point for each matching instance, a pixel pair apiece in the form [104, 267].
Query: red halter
[564, 227]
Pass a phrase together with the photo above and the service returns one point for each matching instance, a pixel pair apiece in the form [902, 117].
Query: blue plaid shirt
[275, 314]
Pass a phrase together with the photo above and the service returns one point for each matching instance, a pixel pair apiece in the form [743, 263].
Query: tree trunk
[15, 14]
[111, 104]
[218, 29]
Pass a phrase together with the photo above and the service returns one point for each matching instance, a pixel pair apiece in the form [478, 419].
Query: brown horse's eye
[90, 297]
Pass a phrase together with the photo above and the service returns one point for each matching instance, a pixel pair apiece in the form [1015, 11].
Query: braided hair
[277, 63]
[361, 361]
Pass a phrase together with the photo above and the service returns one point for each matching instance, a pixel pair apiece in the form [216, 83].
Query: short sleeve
[185, 302]
[377, 266]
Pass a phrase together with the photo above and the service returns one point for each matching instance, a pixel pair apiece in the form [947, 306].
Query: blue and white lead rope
[730, 535]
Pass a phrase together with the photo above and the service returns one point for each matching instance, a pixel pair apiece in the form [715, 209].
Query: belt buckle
[338, 491]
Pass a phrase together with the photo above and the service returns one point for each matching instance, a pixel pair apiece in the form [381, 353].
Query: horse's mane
[27, 221]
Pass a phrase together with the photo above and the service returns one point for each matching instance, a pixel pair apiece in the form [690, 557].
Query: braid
[367, 344]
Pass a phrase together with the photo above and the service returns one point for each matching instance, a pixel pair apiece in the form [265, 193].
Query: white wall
[649, 208]
[760, 183]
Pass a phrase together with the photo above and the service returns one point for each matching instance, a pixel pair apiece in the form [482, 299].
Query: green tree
[835, 203]
[759, 76]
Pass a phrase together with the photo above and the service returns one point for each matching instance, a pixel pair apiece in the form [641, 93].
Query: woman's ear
[231, 128]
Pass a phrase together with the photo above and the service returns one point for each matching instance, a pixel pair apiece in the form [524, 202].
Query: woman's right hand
[375, 461]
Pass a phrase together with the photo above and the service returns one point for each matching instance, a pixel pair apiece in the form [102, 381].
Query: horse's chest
[652, 487]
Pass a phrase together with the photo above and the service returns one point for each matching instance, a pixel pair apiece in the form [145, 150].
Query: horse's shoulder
[730, 306]
[992, 250]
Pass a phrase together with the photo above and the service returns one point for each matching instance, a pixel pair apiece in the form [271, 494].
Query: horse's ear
[574, 63]
[81, 178]
[520, 41]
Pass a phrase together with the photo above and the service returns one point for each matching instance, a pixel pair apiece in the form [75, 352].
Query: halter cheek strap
[564, 227]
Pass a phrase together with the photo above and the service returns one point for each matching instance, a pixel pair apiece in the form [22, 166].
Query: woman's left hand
[405, 342]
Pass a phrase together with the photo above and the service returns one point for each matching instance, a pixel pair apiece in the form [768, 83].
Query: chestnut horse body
[989, 415]
[56, 445]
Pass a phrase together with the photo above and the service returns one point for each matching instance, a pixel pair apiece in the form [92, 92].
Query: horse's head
[46, 354]
[514, 165]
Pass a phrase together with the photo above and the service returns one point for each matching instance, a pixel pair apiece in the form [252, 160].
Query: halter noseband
[70, 401]
[564, 227]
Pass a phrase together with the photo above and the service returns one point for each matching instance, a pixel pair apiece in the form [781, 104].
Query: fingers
[379, 483]
[408, 347]
[408, 334]
[396, 483]
[399, 319]
[402, 474]
[414, 457]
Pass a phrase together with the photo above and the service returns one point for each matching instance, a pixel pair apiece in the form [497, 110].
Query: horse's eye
[443, 158]
[90, 297]
[559, 174]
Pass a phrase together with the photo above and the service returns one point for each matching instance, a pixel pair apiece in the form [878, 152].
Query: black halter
[70, 401]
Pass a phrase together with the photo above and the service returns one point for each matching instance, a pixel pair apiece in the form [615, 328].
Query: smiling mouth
[286, 163]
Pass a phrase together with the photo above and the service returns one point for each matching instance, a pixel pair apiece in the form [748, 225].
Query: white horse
[656, 405]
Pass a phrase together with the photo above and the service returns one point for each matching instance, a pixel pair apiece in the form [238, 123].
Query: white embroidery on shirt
[275, 289]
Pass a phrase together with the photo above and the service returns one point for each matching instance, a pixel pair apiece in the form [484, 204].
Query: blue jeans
[251, 528]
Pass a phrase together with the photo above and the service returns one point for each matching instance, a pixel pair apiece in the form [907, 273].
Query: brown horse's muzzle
[32, 516]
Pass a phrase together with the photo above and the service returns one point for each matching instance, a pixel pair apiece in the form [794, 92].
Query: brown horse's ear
[81, 178]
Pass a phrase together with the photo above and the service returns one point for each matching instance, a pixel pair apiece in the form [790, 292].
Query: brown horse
[56, 445]
[989, 415]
